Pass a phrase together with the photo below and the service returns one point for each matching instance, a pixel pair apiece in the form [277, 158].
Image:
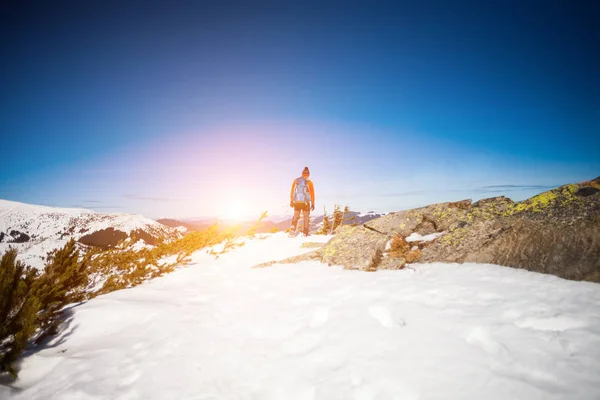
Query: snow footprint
[505, 364]
[384, 316]
[480, 337]
[128, 375]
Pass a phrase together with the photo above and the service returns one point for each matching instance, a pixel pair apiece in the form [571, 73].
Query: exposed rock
[392, 263]
[354, 247]
[426, 227]
[556, 232]
[568, 251]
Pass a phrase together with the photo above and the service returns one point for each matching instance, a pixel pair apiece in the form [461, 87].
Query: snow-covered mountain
[36, 230]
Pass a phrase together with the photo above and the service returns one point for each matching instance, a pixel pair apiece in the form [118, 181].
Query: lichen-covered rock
[568, 251]
[425, 220]
[456, 244]
[392, 263]
[355, 248]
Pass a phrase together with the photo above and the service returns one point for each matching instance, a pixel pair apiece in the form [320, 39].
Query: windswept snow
[219, 329]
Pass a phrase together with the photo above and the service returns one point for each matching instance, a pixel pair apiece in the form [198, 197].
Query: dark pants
[305, 209]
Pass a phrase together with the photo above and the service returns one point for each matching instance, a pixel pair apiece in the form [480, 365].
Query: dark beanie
[305, 171]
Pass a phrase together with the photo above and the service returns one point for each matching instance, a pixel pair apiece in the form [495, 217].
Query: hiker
[302, 199]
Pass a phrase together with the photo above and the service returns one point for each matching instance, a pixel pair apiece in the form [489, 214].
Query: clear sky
[182, 109]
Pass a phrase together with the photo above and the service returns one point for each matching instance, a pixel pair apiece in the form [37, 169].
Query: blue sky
[194, 108]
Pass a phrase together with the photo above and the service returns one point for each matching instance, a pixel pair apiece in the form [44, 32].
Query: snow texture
[415, 237]
[219, 329]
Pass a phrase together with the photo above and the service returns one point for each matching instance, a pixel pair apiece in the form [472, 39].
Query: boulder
[354, 247]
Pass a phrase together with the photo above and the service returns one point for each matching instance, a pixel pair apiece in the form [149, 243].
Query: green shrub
[18, 309]
[31, 304]
[63, 282]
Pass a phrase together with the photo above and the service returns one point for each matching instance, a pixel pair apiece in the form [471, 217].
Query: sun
[235, 210]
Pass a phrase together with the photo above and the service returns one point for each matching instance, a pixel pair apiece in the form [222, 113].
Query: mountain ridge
[36, 230]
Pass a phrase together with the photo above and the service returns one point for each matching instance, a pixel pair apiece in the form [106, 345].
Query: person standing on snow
[302, 199]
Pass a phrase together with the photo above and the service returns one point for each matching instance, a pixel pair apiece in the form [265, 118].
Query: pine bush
[63, 282]
[18, 309]
[338, 217]
[326, 223]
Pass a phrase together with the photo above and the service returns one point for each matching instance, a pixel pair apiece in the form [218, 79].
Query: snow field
[219, 329]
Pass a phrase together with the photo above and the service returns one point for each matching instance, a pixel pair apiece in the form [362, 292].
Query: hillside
[34, 230]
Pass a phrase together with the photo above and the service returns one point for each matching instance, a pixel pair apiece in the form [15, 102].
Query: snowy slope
[41, 229]
[219, 329]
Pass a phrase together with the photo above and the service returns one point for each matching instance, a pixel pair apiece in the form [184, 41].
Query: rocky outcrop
[355, 247]
[556, 232]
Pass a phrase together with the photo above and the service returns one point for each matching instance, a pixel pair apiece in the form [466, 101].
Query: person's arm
[292, 193]
[311, 189]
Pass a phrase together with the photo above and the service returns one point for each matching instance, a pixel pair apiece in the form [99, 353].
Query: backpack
[301, 193]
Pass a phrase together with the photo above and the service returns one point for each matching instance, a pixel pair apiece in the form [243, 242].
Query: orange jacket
[311, 190]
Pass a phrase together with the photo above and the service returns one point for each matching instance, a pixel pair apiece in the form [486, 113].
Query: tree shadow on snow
[65, 330]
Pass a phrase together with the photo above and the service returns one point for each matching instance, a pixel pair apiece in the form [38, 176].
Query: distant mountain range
[35, 230]
[269, 223]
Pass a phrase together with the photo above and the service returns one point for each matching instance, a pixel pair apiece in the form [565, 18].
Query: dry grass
[399, 246]
[412, 256]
